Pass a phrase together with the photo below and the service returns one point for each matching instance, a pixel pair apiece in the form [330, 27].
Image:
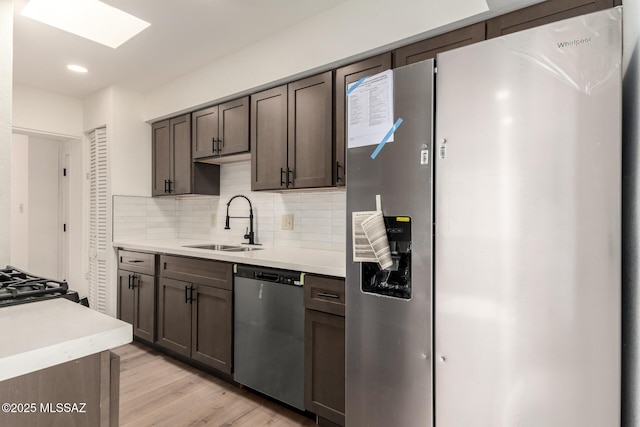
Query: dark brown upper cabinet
[292, 135]
[310, 146]
[543, 13]
[269, 139]
[221, 130]
[345, 75]
[174, 172]
[429, 48]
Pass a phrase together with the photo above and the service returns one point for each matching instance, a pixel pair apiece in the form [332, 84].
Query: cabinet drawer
[324, 294]
[195, 270]
[139, 262]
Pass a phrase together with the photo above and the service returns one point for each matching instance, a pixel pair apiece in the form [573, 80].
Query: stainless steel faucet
[249, 233]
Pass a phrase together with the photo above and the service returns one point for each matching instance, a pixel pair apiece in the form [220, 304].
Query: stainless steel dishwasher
[269, 333]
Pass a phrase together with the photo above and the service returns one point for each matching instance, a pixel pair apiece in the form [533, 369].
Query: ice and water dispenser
[394, 281]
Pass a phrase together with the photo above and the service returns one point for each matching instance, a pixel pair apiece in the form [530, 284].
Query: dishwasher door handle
[266, 276]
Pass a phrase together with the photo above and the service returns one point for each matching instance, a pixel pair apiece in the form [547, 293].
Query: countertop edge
[305, 260]
[52, 332]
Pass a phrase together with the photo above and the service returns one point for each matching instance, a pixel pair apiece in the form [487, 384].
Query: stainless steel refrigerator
[528, 217]
[388, 320]
[502, 306]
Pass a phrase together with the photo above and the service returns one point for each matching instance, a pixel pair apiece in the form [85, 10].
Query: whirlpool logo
[574, 43]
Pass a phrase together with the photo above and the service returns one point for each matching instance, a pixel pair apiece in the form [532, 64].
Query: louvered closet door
[98, 220]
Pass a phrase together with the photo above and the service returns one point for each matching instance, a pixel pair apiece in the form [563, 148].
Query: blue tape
[386, 138]
[355, 85]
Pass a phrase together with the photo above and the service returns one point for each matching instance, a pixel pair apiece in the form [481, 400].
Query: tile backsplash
[319, 216]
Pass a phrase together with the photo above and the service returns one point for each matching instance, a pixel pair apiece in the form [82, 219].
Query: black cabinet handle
[130, 279]
[186, 295]
[213, 145]
[133, 280]
[134, 261]
[191, 298]
[327, 295]
[281, 178]
[289, 181]
[170, 183]
[166, 185]
[338, 167]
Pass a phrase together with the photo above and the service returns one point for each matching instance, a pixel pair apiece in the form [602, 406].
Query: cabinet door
[543, 13]
[344, 76]
[204, 132]
[324, 364]
[427, 49]
[161, 152]
[234, 126]
[145, 306]
[174, 315]
[181, 140]
[269, 139]
[310, 153]
[126, 297]
[212, 320]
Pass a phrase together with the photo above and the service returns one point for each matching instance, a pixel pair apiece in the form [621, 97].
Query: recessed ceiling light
[91, 19]
[77, 68]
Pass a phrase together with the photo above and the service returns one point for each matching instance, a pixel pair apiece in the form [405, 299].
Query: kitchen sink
[226, 248]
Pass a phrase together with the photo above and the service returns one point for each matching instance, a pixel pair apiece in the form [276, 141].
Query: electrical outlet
[287, 222]
[213, 220]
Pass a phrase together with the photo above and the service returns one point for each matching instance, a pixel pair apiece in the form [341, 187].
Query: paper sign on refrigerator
[370, 243]
[370, 110]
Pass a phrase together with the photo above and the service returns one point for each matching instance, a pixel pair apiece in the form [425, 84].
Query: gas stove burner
[18, 287]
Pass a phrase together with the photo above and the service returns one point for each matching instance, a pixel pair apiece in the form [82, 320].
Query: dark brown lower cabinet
[212, 327]
[324, 349]
[79, 393]
[136, 302]
[174, 316]
[325, 365]
[196, 320]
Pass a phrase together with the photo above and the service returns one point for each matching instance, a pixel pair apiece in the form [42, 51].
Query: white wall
[20, 202]
[97, 109]
[130, 144]
[44, 112]
[128, 136]
[349, 30]
[6, 77]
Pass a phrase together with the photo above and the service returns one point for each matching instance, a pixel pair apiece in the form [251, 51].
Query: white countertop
[329, 263]
[46, 333]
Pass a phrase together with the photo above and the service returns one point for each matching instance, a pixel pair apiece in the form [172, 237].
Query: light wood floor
[157, 390]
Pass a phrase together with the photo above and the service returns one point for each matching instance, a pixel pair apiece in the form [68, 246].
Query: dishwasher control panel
[267, 274]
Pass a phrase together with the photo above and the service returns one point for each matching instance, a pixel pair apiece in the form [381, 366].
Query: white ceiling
[184, 35]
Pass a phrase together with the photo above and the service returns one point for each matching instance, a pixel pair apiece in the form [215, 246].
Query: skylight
[91, 19]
